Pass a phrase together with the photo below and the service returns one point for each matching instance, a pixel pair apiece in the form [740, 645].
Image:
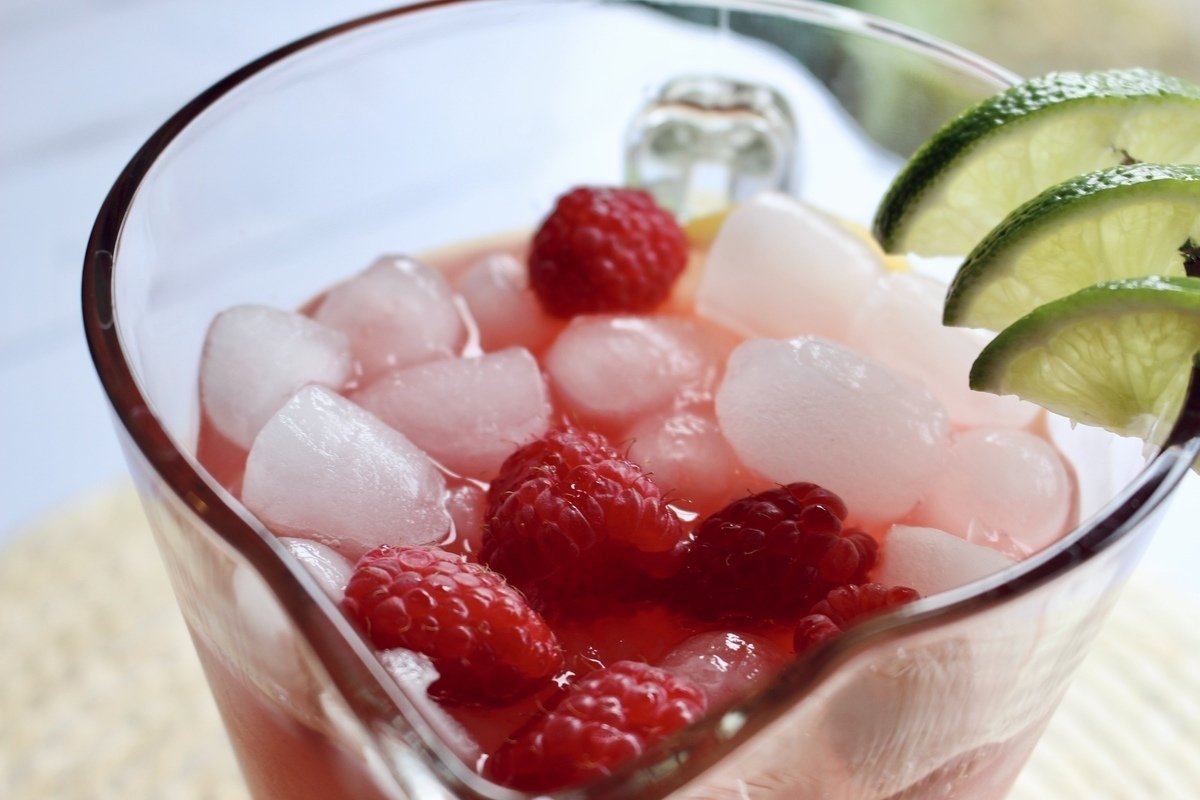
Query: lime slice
[700, 231]
[1117, 354]
[892, 263]
[1124, 222]
[1007, 149]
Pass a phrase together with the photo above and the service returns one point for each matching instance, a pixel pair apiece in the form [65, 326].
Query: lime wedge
[1117, 354]
[892, 263]
[1004, 151]
[1123, 222]
[700, 231]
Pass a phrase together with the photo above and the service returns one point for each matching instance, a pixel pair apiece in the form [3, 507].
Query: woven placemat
[102, 697]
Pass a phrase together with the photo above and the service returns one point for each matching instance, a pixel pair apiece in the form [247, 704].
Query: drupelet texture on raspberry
[597, 532]
[487, 644]
[570, 522]
[611, 716]
[770, 556]
[843, 607]
[606, 250]
[557, 453]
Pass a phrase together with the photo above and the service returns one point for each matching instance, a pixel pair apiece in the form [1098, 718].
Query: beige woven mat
[101, 696]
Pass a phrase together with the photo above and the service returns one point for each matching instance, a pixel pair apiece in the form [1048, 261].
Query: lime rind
[1123, 222]
[1002, 151]
[1116, 354]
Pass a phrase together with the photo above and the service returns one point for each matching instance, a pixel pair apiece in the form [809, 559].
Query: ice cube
[466, 504]
[889, 717]
[324, 469]
[612, 369]
[269, 636]
[727, 665]
[506, 312]
[811, 410]
[398, 312]
[415, 673]
[781, 268]
[905, 712]
[899, 324]
[931, 560]
[986, 771]
[998, 485]
[256, 357]
[467, 413]
[688, 457]
[329, 568]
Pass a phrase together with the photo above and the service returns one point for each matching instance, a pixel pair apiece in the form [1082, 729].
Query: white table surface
[82, 84]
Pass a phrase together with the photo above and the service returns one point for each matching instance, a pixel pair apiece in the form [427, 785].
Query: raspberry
[569, 537]
[606, 249]
[770, 556]
[487, 644]
[554, 454]
[611, 716]
[844, 606]
[812, 630]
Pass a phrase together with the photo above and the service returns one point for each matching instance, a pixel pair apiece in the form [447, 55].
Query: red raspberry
[488, 645]
[596, 530]
[555, 454]
[610, 717]
[843, 607]
[770, 556]
[812, 630]
[606, 249]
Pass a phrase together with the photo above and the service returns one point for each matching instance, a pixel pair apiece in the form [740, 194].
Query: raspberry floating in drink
[487, 645]
[608, 718]
[606, 249]
[771, 556]
[576, 534]
[845, 606]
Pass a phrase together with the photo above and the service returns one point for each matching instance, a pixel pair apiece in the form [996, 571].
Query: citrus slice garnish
[1124, 222]
[700, 231]
[1116, 354]
[1004, 151]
